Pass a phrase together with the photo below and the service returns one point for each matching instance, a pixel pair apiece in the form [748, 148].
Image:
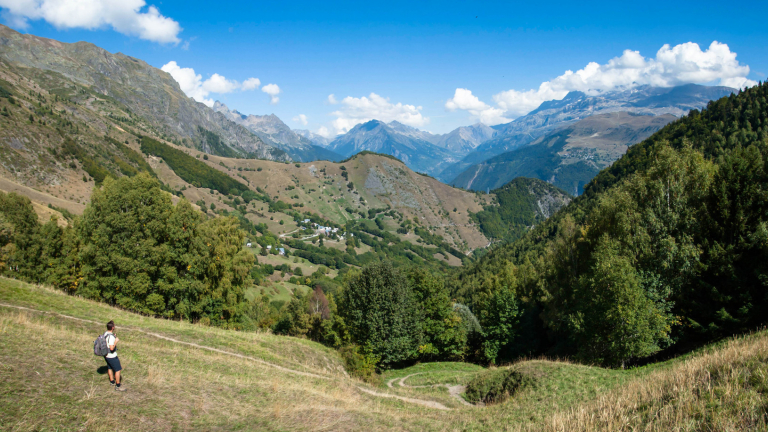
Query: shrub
[359, 365]
[497, 385]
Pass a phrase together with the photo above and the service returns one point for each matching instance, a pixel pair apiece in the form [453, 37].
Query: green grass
[277, 291]
[434, 373]
[50, 380]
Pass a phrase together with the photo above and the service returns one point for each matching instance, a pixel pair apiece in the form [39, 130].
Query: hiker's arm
[112, 347]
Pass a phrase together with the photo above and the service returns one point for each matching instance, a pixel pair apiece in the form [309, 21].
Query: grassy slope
[50, 380]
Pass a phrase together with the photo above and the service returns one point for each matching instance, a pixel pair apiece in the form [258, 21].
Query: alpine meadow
[585, 254]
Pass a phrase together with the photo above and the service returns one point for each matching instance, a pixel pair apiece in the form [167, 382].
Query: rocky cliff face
[145, 90]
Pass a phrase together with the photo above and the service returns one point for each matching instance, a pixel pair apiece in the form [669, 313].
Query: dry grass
[724, 389]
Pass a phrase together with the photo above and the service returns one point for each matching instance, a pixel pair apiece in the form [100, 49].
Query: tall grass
[723, 389]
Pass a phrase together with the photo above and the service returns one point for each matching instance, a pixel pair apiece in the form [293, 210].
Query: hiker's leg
[117, 377]
[110, 374]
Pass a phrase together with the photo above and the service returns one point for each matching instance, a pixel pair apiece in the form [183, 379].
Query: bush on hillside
[360, 365]
[497, 385]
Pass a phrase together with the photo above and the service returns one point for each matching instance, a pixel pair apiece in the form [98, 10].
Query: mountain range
[403, 142]
[148, 101]
[568, 157]
[273, 131]
[576, 106]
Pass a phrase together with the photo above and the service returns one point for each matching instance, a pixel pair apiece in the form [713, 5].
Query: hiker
[113, 363]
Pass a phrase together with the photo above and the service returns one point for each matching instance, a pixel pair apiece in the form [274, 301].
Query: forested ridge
[667, 248]
[519, 205]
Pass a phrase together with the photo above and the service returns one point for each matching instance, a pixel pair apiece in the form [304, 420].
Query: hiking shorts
[114, 364]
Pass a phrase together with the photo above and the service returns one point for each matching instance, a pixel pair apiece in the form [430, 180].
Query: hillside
[192, 377]
[65, 128]
[570, 156]
[671, 238]
[518, 207]
[323, 188]
[576, 106]
[122, 91]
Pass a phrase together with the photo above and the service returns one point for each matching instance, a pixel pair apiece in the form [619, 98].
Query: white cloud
[129, 17]
[272, 90]
[251, 84]
[324, 132]
[360, 110]
[332, 99]
[192, 84]
[682, 64]
[464, 99]
[301, 118]
[218, 84]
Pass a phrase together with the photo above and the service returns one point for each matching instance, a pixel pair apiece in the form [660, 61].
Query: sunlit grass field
[182, 376]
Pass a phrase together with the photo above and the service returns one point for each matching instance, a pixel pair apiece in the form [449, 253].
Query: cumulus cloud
[682, 64]
[129, 17]
[194, 86]
[272, 90]
[332, 99]
[463, 99]
[354, 111]
[301, 118]
[251, 84]
[324, 132]
[218, 84]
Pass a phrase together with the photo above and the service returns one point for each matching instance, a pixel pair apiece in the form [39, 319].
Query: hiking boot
[112, 383]
[119, 388]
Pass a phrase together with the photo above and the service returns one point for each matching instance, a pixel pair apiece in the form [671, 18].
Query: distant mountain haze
[273, 131]
[397, 140]
[316, 139]
[568, 157]
[451, 156]
[576, 106]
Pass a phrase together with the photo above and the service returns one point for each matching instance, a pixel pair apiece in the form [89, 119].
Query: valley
[599, 262]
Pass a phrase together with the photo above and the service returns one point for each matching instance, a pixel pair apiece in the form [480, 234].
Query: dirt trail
[192, 344]
[454, 390]
[426, 403]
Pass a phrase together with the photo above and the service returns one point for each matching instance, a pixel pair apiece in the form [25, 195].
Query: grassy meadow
[182, 376]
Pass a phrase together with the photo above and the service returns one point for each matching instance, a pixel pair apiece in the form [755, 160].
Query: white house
[269, 247]
[248, 244]
[281, 251]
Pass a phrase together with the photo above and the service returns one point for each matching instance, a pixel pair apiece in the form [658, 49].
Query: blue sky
[415, 54]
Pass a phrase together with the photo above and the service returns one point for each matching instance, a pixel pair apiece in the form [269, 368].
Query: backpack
[100, 347]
